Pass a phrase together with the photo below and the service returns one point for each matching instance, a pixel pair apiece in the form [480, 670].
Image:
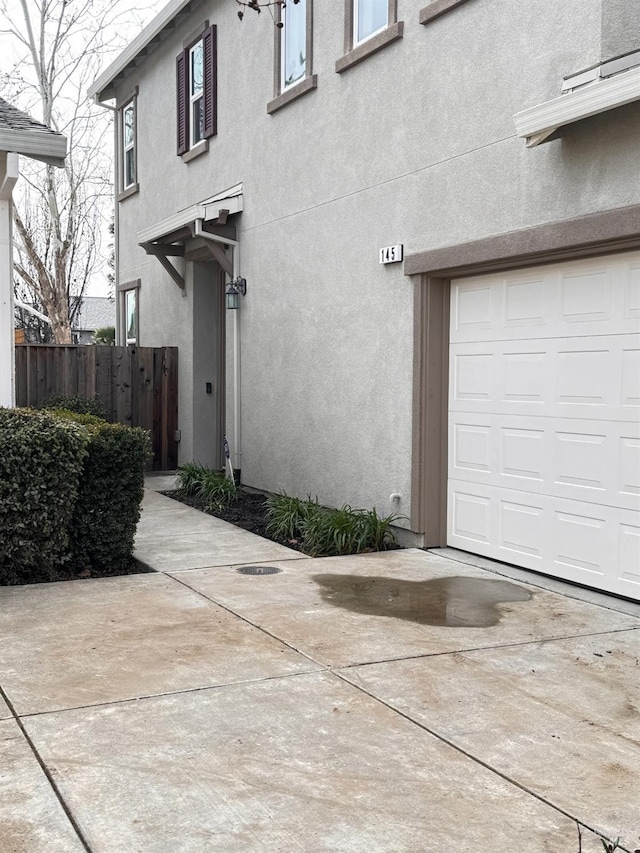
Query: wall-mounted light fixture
[235, 287]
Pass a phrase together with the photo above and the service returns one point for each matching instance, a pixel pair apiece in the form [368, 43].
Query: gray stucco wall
[620, 27]
[415, 145]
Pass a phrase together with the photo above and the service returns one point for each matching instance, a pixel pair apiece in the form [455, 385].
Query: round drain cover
[259, 570]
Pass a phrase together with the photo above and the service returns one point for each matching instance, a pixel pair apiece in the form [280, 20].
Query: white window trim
[126, 148]
[194, 97]
[284, 86]
[358, 41]
[123, 291]
[127, 294]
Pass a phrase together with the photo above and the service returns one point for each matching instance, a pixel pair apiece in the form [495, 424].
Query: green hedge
[107, 509]
[78, 404]
[41, 461]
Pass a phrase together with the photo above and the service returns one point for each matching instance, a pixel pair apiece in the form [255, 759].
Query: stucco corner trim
[392, 33]
[289, 95]
[437, 8]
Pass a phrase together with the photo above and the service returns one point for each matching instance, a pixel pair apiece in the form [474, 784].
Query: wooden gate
[137, 385]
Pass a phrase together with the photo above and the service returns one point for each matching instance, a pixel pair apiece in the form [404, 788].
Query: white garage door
[544, 423]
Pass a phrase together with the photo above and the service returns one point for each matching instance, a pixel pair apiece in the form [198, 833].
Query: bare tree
[59, 215]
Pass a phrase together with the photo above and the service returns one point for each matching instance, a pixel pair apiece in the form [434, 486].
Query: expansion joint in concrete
[46, 771]
[443, 739]
[253, 624]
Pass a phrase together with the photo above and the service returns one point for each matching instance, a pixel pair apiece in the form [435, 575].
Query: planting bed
[248, 510]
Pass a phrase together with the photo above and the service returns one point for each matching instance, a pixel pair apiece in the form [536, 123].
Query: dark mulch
[46, 575]
[249, 511]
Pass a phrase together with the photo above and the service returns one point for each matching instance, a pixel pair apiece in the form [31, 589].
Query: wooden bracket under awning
[173, 236]
[163, 251]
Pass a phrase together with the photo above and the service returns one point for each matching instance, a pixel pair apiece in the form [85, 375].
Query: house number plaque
[391, 254]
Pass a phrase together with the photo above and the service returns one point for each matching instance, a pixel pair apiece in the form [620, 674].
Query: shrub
[41, 460]
[329, 532]
[188, 477]
[286, 516]
[105, 335]
[107, 509]
[76, 404]
[209, 486]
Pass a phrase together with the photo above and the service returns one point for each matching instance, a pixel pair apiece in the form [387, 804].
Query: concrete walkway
[404, 701]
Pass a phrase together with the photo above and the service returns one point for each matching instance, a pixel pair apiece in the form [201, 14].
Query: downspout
[198, 231]
[11, 169]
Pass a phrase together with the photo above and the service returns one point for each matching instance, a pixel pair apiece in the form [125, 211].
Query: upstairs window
[293, 43]
[196, 92]
[128, 146]
[293, 53]
[370, 25]
[369, 18]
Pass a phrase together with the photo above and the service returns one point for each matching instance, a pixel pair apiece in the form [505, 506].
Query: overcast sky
[10, 51]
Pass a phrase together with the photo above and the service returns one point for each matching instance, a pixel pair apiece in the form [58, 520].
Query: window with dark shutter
[210, 83]
[183, 103]
[196, 97]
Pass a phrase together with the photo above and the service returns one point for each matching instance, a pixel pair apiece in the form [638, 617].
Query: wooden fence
[137, 385]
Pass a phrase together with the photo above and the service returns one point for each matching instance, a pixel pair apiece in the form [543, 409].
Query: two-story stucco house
[428, 215]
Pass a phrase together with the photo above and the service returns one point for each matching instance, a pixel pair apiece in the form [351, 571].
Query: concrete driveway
[406, 701]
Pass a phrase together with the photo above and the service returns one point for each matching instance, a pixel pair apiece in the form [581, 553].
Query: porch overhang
[538, 123]
[167, 238]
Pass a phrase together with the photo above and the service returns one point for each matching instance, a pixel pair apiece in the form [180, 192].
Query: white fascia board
[10, 177]
[171, 224]
[540, 121]
[140, 42]
[50, 147]
[207, 210]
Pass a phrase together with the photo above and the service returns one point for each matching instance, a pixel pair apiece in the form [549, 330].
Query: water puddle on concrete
[453, 602]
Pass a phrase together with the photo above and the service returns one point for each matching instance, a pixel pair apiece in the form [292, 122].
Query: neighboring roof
[96, 312]
[21, 134]
[102, 88]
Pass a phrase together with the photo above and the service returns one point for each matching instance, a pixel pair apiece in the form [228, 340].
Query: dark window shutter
[210, 82]
[182, 102]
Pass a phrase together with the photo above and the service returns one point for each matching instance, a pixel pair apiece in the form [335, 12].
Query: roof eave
[103, 89]
[38, 145]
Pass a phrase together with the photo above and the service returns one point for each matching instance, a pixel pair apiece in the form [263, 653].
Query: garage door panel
[544, 419]
[577, 299]
[631, 298]
[588, 461]
[629, 466]
[585, 293]
[584, 378]
[630, 394]
[576, 541]
[521, 527]
[629, 550]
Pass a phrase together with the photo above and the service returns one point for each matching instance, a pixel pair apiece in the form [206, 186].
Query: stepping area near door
[403, 701]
